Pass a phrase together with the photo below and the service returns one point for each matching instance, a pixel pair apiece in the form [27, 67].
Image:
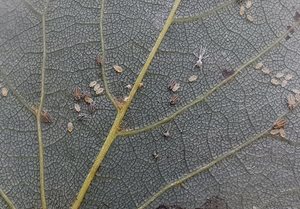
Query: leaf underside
[218, 125]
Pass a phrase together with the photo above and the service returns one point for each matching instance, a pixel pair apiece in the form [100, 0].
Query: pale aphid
[166, 134]
[129, 86]
[248, 4]
[193, 78]
[291, 101]
[99, 60]
[174, 99]
[97, 86]
[279, 75]
[250, 18]
[70, 127]
[92, 84]
[118, 68]
[141, 85]
[266, 70]
[284, 83]
[282, 133]
[88, 99]
[4, 91]
[155, 155]
[77, 107]
[242, 10]
[126, 99]
[99, 91]
[288, 77]
[275, 81]
[296, 91]
[259, 66]
[200, 56]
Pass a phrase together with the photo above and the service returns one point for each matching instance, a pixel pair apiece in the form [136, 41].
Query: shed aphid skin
[274, 131]
[77, 108]
[88, 99]
[279, 75]
[275, 81]
[141, 85]
[200, 56]
[259, 66]
[266, 70]
[166, 134]
[70, 127]
[4, 91]
[174, 100]
[77, 93]
[242, 10]
[250, 18]
[291, 101]
[99, 91]
[97, 87]
[92, 84]
[118, 68]
[193, 78]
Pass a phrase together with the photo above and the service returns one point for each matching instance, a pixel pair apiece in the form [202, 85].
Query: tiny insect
[279, 75]
[266, 70]
[297, 16]
[279, 124]
[77, 93]
[291, 101]
[259, 66]
[118, 69]
[288, 77]
[250, 18]
[193, 78]
[92, 107]
[242, 10]
[173, 86]
[284, 83]
[174, 99]
[155, 155]
[282, 133]
[88, 99]
[70, 127]
[99, 91]
[249, 4]
[92, 84]
[166, 134]
[4, 91]
[200, 57]
[99, 60]
[275, 81]
[141, 85]
[77, 107]
[82, 117]
[97, 86]
[129, 86]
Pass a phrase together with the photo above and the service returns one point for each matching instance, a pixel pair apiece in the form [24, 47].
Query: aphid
[70, 127]
[166, 134]
[284, 83]
[174, 99]
[173, 86]
[242, 10]
[129, 86]
[141, 85]
[279, 75]
[77, 93]
[200, 57]
[275, 81]
[92, 84]
[274, 131]
[282, 133]
[291, 101]
[266, 70]
[99, 60]
[176, 87]
[250, 18]
[259, 66]
[297, 16]
[155, 155]
[99, 91]
[46, 117]
[92, 107]
[77, 107]
[226, 73]
[118, 69]
[279, 124]
[126, 99]
[193, 78]
[88, 99]
[288, 77]
[97, 86]
[249, 4]
[4, 91]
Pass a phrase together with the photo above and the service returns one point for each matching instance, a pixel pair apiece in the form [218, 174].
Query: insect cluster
[245, 10]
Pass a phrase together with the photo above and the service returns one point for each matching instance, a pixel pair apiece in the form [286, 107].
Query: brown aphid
[259, 66]
[88, 99]
[97, 87]
[77, 107]
[4, 91]
[99, 60]
[242, 10]
[282, 133]
[99, 91]
[174, 99]
[70, 127]
[129, 86]
[46, 117]
[77, 93]
[291, 101]
[227, 73]
[279, 75]
[118, 68]
[250, 18]
[279, 124]
[120, 103]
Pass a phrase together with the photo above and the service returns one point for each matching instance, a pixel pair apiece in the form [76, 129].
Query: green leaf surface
[220, 151]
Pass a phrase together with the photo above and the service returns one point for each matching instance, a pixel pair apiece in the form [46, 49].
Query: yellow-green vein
[121, 113]
[203, 15]
[208, 93]
[107, 92]
[7, 200]
[38, 118]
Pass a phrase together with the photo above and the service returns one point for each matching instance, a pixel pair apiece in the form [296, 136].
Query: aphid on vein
[291, 101]
[126, 99]
[174, 99]
[266, 70]
[77, 107]
[200, 56]
[70, 127]
[77, 93]
[99, 60]
[141, 85]
[279, 124]
[226, 73]
[118, 68]
[46, 117]
[4, 91]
